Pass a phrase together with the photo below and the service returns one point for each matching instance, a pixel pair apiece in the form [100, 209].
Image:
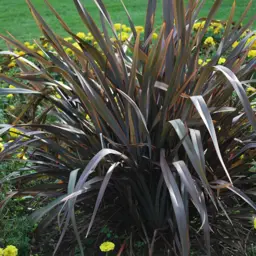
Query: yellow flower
[31, 47]
[11, 107]
[123, 36]
[57, 96]
[27, 44]
[12, 64]
[252, 54]
[155, 36]
[40, 53]
[1, 147]
[10, 250]
[209, 41]
[12, 86]
[69, 51]
[14, 133]
[9, 96]
[68, 39]
[124, 28]
[89, 34]
[198, 25]
[253, 38]
[235, 44]
[139, 29]
[81, 35]
[87, 117]
[200, 61]
[254, 222]
[221, 61]
[89, 38]
[250, 89]
[22, 156]
[77, 46]
[128, 29]
[217, 30]
[107, 246]
[20, 53]
[1, 251]
[118, 26]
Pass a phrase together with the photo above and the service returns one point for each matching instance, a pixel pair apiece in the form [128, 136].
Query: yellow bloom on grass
[139, 29]
[124, 28]
[118, 26]
[22, 156]
[221, 61]
[77, 46]
[128, 30]
[200, 61]
[10, 250]
[14, 133]
[235, 44]
[252, 54]
[209, 41]
[12, 64]
[11, 107]
[155, 36]
[41, 53]
[57, 96]
[250, 90]
[1, 149]
[68, 39]
[250, 40]
[12, 86]
[9, 96]
[107, 246]
[217, 30]
[69, 51]
[123, 36]
[254, 222]
[198, 25]
[81, 35]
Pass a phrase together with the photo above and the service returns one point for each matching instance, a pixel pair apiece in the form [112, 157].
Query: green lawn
[16, 18]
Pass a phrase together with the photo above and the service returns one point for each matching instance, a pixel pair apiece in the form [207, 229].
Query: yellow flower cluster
[252, 40]
[250, 90]
[209, 41]
[14, 133]
[10, 250]
[1, 147]
[10, 95]
[254, 222]
[221, 61]
[107, 246]
[252, 54]
[198, 25]
[122, 27]
[217, 27]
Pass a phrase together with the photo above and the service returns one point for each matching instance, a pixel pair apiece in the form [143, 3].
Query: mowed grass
[15, 16]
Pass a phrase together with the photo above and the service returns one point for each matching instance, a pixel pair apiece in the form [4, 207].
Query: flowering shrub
[211, 40]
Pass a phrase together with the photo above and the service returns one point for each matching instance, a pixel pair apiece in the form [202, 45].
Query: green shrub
[161, 143]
